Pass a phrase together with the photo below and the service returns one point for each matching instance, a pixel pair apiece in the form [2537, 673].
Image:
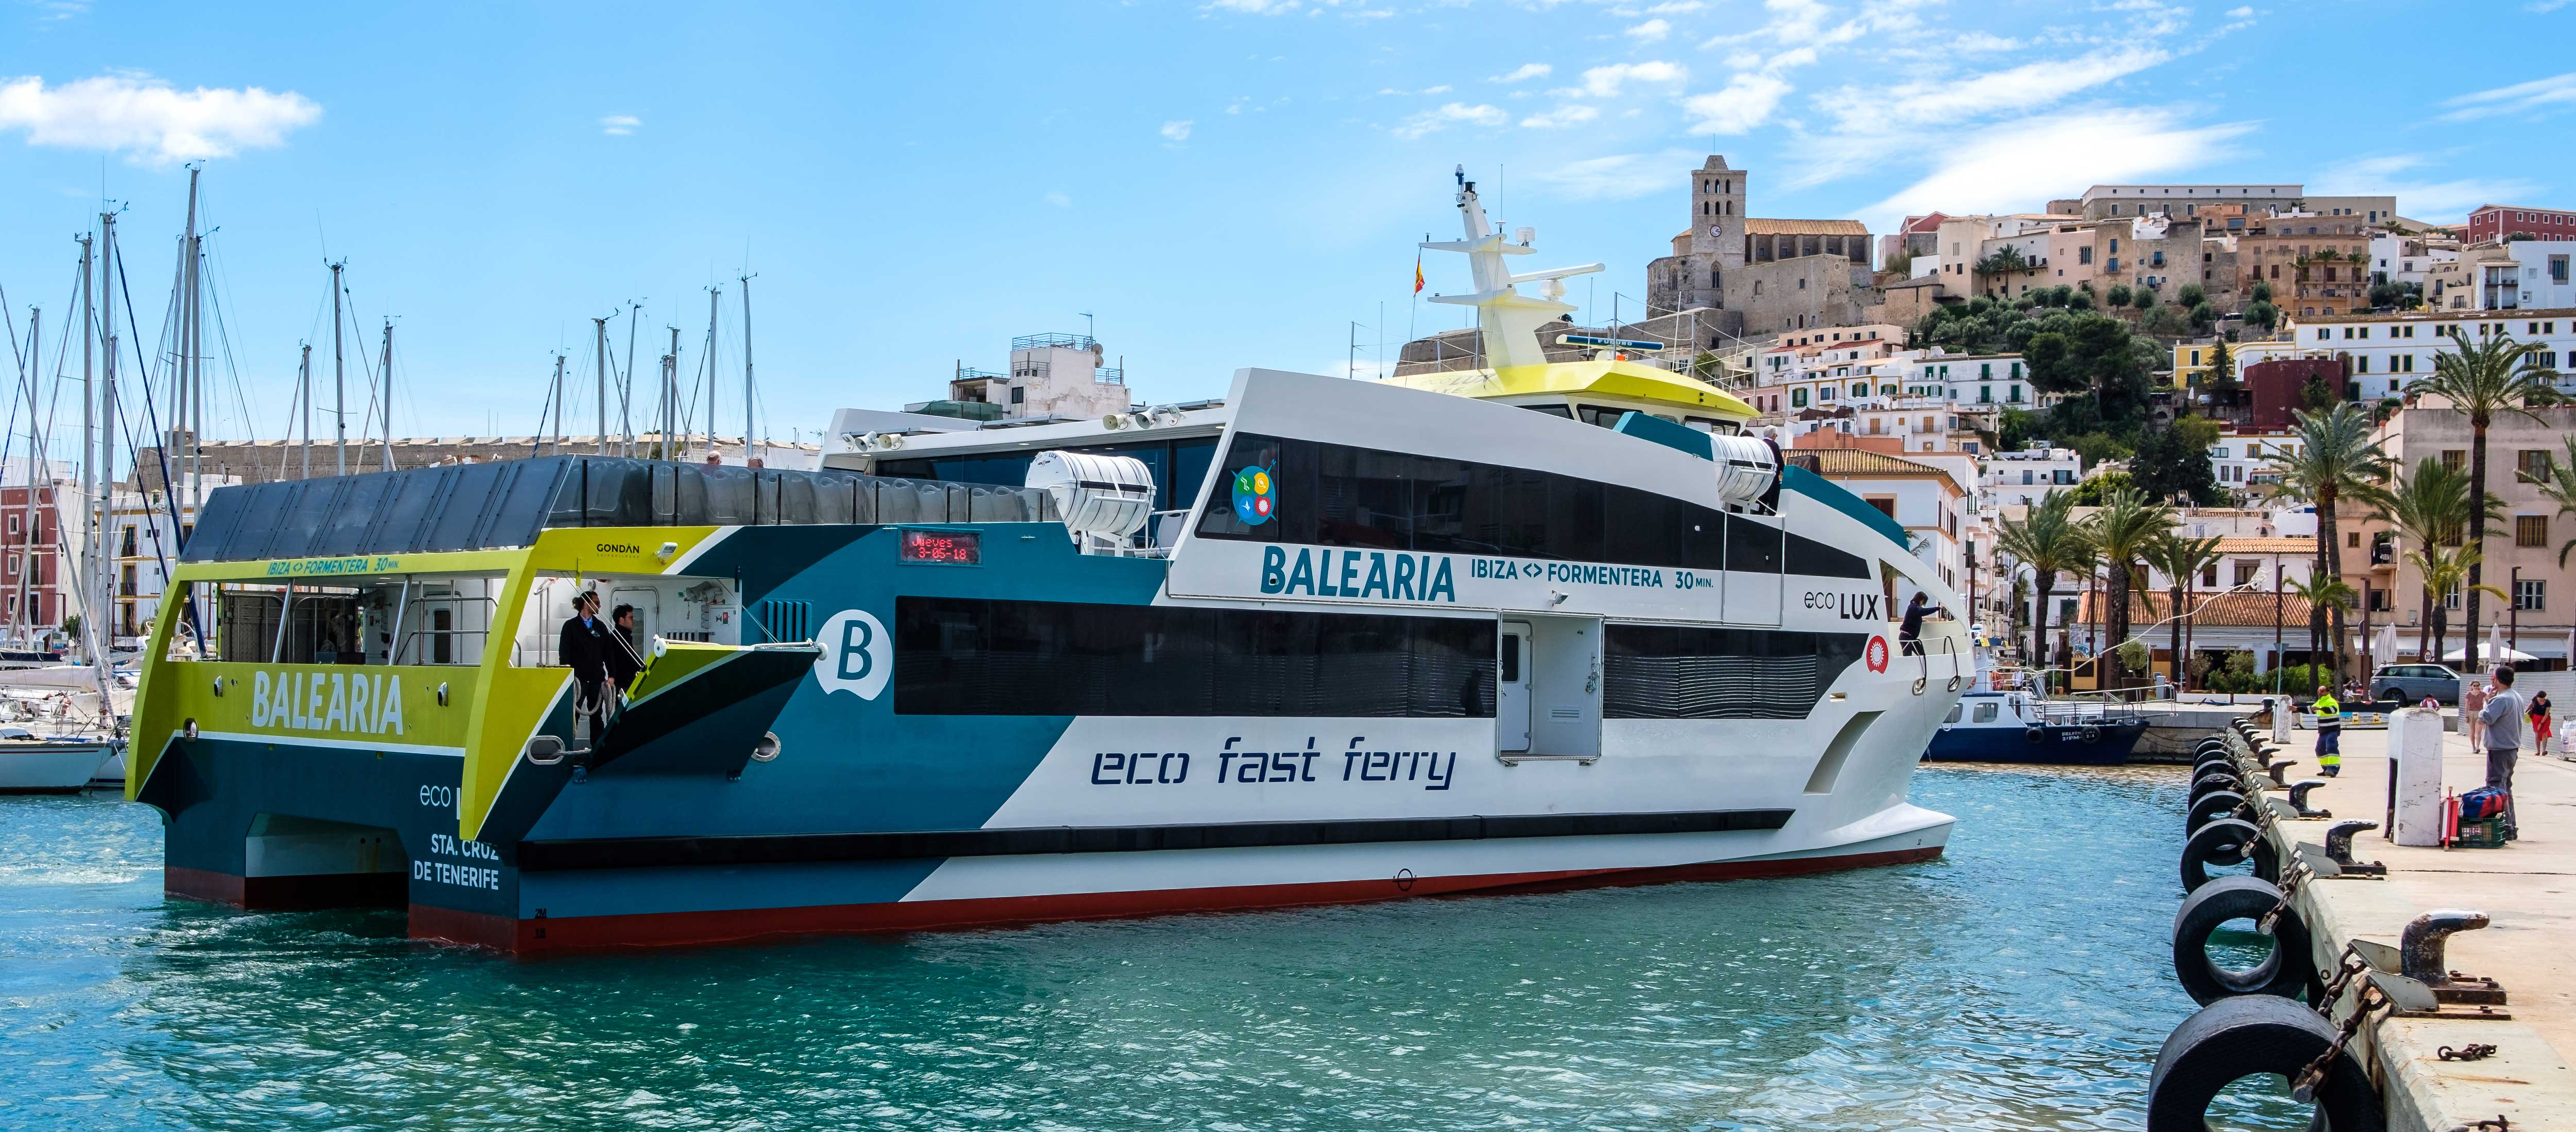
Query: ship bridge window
[1552, 409]
[1336, 495]
[962, 656]
[674, 608]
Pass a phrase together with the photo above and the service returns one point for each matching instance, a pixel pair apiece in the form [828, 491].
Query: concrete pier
[2528, 888]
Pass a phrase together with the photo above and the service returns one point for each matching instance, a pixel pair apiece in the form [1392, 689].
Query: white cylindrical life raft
[1109, 496]
[1747, 467]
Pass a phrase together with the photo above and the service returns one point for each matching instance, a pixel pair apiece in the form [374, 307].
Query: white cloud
[149, 119]
[1450, 114]
[1561, 116]
[619, 125]
[1651, 31]
[1526, 72]
[1747, 101]
[1251, 7]
[2014, 165]
[1441, 89]
[1606, 82]
[1059, 200]
[1952, 99]
[2247, 11]
[1619, 177]
[1676, 8]
[2546, 6]
[2539, 94]
[1178, 131]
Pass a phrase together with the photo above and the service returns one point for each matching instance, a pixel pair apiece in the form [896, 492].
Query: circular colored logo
[1256, 496]
[1876, 654]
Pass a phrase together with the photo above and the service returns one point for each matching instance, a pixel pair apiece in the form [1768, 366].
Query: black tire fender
[2203, 750]
[2092, 733]
[2034, 734]
[2285, 972]
[2240, 1037]
[2225, 843]
[2214, 805]
[2220, 757]
[2214, 781]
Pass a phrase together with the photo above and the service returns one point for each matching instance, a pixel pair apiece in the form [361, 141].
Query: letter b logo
[856, 657]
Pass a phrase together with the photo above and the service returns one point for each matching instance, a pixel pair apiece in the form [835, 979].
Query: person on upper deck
[625, 657]
[1909, 635]
[583, 646]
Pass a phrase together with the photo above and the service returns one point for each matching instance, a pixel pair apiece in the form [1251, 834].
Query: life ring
[2092, 733]
[2226, 842]
[2213, 806]
[2286, 972]
[2034, 734]
[2241, 1037]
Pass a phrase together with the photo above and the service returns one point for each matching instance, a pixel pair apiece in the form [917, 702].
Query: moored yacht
[1321, 640]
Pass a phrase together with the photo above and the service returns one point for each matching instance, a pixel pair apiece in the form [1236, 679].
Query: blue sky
[1221, 185]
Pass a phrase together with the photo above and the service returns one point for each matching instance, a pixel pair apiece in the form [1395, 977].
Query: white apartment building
[2386, 353]
[1927, 500]
[2241, 461]
[2406, 259]
[2019, 479]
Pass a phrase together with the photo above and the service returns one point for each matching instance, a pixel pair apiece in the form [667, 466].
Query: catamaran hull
[51, 768]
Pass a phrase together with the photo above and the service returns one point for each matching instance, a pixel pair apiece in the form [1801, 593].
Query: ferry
[1529, 626]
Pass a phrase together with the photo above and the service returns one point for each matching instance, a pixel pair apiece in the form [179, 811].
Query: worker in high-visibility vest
[2329, 733]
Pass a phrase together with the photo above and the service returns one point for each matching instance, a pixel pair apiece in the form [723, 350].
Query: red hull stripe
[287, 893]
[673, 929]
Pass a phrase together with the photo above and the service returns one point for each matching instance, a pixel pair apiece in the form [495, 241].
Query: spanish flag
[1417, 273]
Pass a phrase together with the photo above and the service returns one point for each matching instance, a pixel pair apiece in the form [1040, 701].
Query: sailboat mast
[183, 381]
[389, 393]
[599, 336]
[18, 616]
[750, 455]
[713, 294]
[558, 410]
[304, 394]
[104, 609]
[339, 379]
[626, 381]
[671, 396]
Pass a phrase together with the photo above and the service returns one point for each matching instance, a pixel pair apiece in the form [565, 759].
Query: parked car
[2413, 682]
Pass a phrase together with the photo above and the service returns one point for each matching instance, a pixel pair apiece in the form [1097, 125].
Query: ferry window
[1553, 410]
[321, 625]
[1683, 672]
[1332, 495]
[1953, 717]
[960, 656]
[1985, 711]
[1601, 417]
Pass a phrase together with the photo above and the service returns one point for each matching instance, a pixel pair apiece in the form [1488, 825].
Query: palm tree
[2337, 459]
[2122, 529]
[2559, 487]
[2048, 540]
[2480, 380]
[2322, 592]
[2443, 571]
[2430, 508]
[2181, 557]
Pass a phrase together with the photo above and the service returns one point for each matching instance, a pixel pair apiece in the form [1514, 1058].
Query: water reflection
[2019, 983]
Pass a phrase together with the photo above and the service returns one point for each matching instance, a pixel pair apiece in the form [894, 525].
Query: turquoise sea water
[2020, 983]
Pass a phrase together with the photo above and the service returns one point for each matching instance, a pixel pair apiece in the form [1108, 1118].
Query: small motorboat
[39, 764]
[2019, 727]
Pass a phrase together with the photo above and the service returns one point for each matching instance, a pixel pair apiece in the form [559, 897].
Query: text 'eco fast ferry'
[1325, 640]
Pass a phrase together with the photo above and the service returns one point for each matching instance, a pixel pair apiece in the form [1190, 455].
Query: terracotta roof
[2284, 544]
[2240, 609]
[1862, 462]
[1756, 226]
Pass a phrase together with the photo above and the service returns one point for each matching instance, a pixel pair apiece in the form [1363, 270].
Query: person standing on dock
[2329, 733]
[2503, 719]
[2472, 699]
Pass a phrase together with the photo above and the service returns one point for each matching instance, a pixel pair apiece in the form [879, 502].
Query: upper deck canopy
[1620, 380]
[505, 504]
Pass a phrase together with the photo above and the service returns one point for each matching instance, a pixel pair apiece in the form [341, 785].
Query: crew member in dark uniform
[584, 647]
[625, 657]
[1909, 635]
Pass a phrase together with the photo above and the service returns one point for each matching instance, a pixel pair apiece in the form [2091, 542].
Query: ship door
[1755, 559]
[1512, 688]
